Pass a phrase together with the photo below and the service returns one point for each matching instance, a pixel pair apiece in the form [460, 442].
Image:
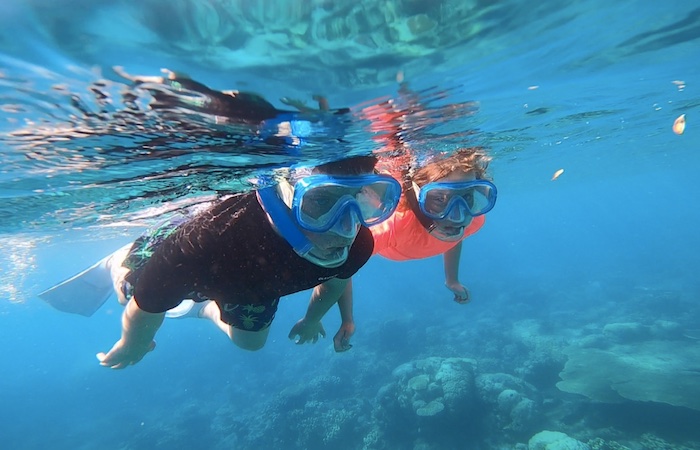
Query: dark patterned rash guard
[231, 253]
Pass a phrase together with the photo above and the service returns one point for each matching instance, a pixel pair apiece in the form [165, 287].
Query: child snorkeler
[442, 203]
[235, 259]
[444, 200]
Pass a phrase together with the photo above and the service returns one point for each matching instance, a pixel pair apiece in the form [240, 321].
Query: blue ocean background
[591, 277]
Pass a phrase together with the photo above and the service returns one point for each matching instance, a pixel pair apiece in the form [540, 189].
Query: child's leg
[119, 272]
[247, 340]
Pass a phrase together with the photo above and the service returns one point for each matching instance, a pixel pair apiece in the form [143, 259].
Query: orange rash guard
[403, 237]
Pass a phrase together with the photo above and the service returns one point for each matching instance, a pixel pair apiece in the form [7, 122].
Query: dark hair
[354, 165]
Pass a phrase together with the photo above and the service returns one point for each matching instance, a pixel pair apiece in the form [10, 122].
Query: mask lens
[318, 203]
[367, 200]
[377, 201]
[439, 200]
[436, 202]
[479, 200]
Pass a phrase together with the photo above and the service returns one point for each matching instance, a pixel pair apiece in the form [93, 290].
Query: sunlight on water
[151, 139]
[17, 261]
[85, 142]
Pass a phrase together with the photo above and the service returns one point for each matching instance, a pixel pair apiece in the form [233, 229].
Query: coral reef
[432, 385]
[493, 389]
[555, 440]
[449, 397]
[655, 370]
[433, 399]
[514, 403]
[303, 416]
[601, 444]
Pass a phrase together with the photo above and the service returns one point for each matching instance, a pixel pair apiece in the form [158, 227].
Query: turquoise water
[585, 284]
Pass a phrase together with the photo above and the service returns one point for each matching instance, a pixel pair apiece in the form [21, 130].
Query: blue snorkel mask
[325, 203]
[445, 209]
[456, 202]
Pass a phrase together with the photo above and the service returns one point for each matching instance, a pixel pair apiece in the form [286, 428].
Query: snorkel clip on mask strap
[281, 217]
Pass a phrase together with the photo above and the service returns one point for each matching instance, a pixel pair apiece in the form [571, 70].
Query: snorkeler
[444, 200]
[443, 203]
[174, 96]
[236, 259]
[245, 252]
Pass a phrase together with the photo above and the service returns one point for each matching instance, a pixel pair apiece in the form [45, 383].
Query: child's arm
[451, 262]
[341, 340]
[301, 106]
[323, 297]
[138, 330]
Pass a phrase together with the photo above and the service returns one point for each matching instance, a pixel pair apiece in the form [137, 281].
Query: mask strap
[410, 194]
[285, 192]
[273, 205]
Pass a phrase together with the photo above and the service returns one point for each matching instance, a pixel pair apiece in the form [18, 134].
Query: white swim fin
[84, 293]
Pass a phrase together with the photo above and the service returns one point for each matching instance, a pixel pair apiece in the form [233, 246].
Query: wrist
[306, 320]
[139, 327]
[135, 336]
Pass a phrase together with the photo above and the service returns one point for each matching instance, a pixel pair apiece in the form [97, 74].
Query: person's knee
[250, 346]
[249, 340]
[118, 272]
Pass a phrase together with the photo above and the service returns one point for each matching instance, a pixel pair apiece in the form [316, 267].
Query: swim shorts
[250, 317]
[143, 247]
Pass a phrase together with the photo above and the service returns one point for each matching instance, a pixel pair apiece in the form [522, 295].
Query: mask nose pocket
[347, 224]
[459, 212]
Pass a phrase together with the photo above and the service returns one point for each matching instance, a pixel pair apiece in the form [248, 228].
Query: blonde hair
[472, 159]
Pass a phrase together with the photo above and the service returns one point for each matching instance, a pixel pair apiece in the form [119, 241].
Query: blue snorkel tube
[282, 218]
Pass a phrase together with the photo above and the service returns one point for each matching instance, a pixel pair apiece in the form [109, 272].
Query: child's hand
[461, 293]
[296, 103]
[341, 340]
[304, 331]
[122, 356]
